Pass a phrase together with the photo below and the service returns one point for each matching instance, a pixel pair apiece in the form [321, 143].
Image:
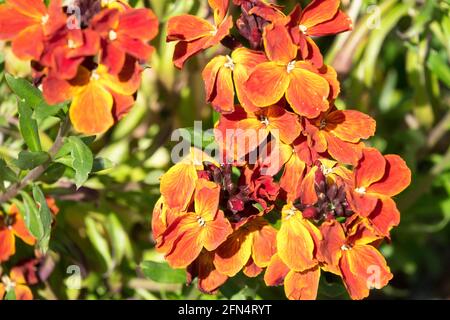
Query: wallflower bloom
[195, 34]
[99, 98]
[376, 180]
[206, 228]
[12, 225]
[22, 20]
[319, 18]
[17, 282]
[220, 73]
[125, 33]
[306, 90]
[339, 133]
[361, 265]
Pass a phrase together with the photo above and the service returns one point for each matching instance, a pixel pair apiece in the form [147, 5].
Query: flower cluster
[88, 51]
[317, 200]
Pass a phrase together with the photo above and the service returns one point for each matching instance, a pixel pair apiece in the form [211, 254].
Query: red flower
[195, 34]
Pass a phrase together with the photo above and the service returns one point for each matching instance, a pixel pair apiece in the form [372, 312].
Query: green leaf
[32, 97]
[6, 174]
[82, 160]
[31, 216]
[29, 160]
[439, 66]
[10, 295]
[119, 239]
[98, 241]
[101, 164]
[45, 216]
[162, 272]
[28, 127]
[27, 93]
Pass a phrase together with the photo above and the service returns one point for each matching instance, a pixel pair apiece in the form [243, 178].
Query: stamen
[325, 170]
[360, 190]
[290, 66]
[230, 63]
[71, 44]
[303, 28]
[214, 31]
[44, 19]
[201, 221]
[95, 75]
[112, 35]
[264, 120]
[345, 247]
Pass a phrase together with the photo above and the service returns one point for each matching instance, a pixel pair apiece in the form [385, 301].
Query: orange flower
[376, 180]
[125, 32]
[361, 266]
[297, 240]
[67, 49]
[25, 20]
[297, 285]
[339, 133]
[305, 88]
[254, 242]
[319, 18]
[12, 225]
[16, 281]
[209, 278]
[195, 34]
[219, 74]
[206, 228]
[98, 97]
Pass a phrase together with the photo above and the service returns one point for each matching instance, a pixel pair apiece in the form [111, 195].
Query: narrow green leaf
[6, 174]
[25, 91]
[29, 160]
[162, 272]
[45, 216]
[83, 160]
[439, 66]
[98, 241]
[119, 239]
[28, 127]
[31, 216]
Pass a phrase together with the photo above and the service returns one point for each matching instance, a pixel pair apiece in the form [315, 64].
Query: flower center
[322, 124]
[345, 247]
[229, 64]
[95, 75]
[201, 221]
[360, 190]
[71, 44]
[264, 120]
[291, 212]
[106, 3]
[325, 170]
[112, 35]
[303, 28]
[290, 66]
[44, 19]
[214, 31]
[9, 284]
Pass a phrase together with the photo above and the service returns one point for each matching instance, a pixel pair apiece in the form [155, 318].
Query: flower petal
[25, 49]
[341, 22]
[350, 125]
[188, 28]
[90, 111]
[234, 253]
[363, 267]
[276, 272]
[139, 24]
[178, 185]
[267, 84]
[287, 123]
[7, 244]
[278, 44]
[397, 177]
[319, 11]
[294, 241]
[385, 216]
[343, 151]
[371, 168]
[209, 279]
[308, 91]
[302, 285]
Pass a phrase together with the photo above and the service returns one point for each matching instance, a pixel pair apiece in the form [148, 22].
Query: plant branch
[34, 174]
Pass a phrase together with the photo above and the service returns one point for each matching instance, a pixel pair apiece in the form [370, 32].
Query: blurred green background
[394, 65]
